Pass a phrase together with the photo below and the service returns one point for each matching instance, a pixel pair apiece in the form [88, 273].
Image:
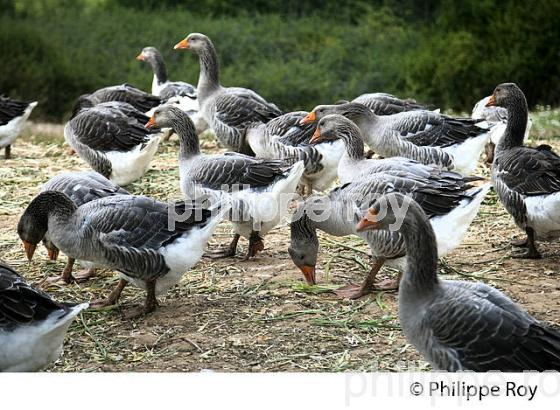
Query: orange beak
[29, 249]
[151, 123]
[491, 101]
[309, 118]
[53, 254]
[182, 45]
[368, 222]
[316, 136]
[309, 273]
[140, 57]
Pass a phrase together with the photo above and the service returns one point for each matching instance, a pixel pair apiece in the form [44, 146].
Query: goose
[527, 180]
[449, 199]
[497, 118]
[32, 324]
[13, 115]
[81, 187]
[353, 165]
[387, 104]
[172, 92]
[227, 110]
[425, 136]
[257, 189]
[139, 99]
[458, 325]
[285, 138]
[129, 233]
[161, 86]
[112, 143]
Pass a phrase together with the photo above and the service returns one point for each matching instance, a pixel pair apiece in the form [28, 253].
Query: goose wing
[177, 89]
[127, 93]
[10, 109]
[387, 104]
[476, 327]
[132, 229]
[529, 171]
[426, 128]
[20, 304]
[104, 129]
[237, 171]
[235, 110]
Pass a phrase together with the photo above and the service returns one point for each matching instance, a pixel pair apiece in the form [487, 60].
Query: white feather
[131, 165]
[543, 215]
[31, 347]
[466, 154]
[10, 131]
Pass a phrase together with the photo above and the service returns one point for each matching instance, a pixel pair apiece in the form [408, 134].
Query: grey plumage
[387, 104]
[462, 325]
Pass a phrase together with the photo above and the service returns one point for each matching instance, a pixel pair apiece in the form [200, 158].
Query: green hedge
[53, 54]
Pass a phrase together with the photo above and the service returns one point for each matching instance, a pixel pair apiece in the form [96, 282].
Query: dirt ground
[256, 315]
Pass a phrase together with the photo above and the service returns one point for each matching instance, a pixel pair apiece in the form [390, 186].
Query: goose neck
[209, 78]
[516, 124]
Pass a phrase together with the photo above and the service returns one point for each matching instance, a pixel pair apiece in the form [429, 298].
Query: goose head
[149, 55]
[33, 224]
[167, 116]
[387, 213]
[506, 95]
[332, 127]
[196, 42]
[304, 247]
[353, 111]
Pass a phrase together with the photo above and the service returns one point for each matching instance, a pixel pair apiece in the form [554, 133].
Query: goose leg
[531, 251]
[148, 307]
[8, 152]
[67, 272]
[489, 149]
[520, 243]
[355, 291]
[113, 297]
[228, 252]
[256, 245]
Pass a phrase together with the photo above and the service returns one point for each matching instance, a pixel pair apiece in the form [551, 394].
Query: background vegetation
[296, 53]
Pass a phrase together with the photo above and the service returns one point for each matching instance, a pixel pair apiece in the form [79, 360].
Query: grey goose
[13, 114]
[227, 110]
[81, 187]
[127, 233]
[458, 325]
[139, 99]
[110, 138]
[448, 198]
[258, 190]
[425, 136]
[527, 179]
[32, 324]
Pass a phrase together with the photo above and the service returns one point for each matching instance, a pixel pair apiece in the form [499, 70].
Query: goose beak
[309, 118]
[53, 254]
[29, 249]
[491, 101]
[309, 273]
[140, 57]
[368, 222]
[181, 45]
[151, 123]
[316, 136]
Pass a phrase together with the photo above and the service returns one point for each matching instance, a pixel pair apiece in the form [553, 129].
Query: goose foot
[256, 245]
[530, 252]
[66, 275]
[148, 307]
[84, 275]
[527, 253]
[8, 152]
[228, 252]
[351, 291]
[113, 297]
[519, 243]
[389, 284]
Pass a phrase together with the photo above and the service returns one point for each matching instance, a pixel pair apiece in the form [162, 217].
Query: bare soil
[256, 315]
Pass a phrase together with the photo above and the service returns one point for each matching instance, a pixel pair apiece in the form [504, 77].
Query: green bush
[449, 54]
